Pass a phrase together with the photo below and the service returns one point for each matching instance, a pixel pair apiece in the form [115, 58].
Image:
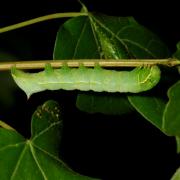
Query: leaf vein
[36, 160]
[109, 30]
[95, 38]
[141, 47]
[46, 129]
[11, 146]
[18, 162]
[79, 39]
[50, 155]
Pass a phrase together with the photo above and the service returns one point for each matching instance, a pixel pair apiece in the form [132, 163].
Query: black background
[108, 147]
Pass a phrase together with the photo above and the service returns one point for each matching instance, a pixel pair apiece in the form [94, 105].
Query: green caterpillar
[85, 79]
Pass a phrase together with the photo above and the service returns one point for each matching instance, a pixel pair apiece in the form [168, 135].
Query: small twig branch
[40, 19]
[89, 63]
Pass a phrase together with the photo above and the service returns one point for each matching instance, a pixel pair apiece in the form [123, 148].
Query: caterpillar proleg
[85, 79]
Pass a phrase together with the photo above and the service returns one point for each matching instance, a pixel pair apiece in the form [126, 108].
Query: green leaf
[124, 37]
[176, 176]
[115, 104]
[171, 117]
[102, 36]
[150, 107]
[36, 158]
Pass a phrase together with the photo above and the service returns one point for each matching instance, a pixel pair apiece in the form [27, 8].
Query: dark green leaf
[36, 158]
[101, 36]
[127, 37]
[103, 103]
[151, 108]
[171, 117]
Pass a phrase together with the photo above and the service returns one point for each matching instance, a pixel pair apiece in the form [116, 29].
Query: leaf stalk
[41, 19]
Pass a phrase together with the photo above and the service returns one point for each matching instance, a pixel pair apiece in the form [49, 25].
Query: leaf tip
[84, 8]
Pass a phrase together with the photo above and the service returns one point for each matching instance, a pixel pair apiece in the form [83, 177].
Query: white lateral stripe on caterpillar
[85, 79]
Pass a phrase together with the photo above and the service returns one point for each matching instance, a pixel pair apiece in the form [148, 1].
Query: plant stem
[40, 19]
[89, 63]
